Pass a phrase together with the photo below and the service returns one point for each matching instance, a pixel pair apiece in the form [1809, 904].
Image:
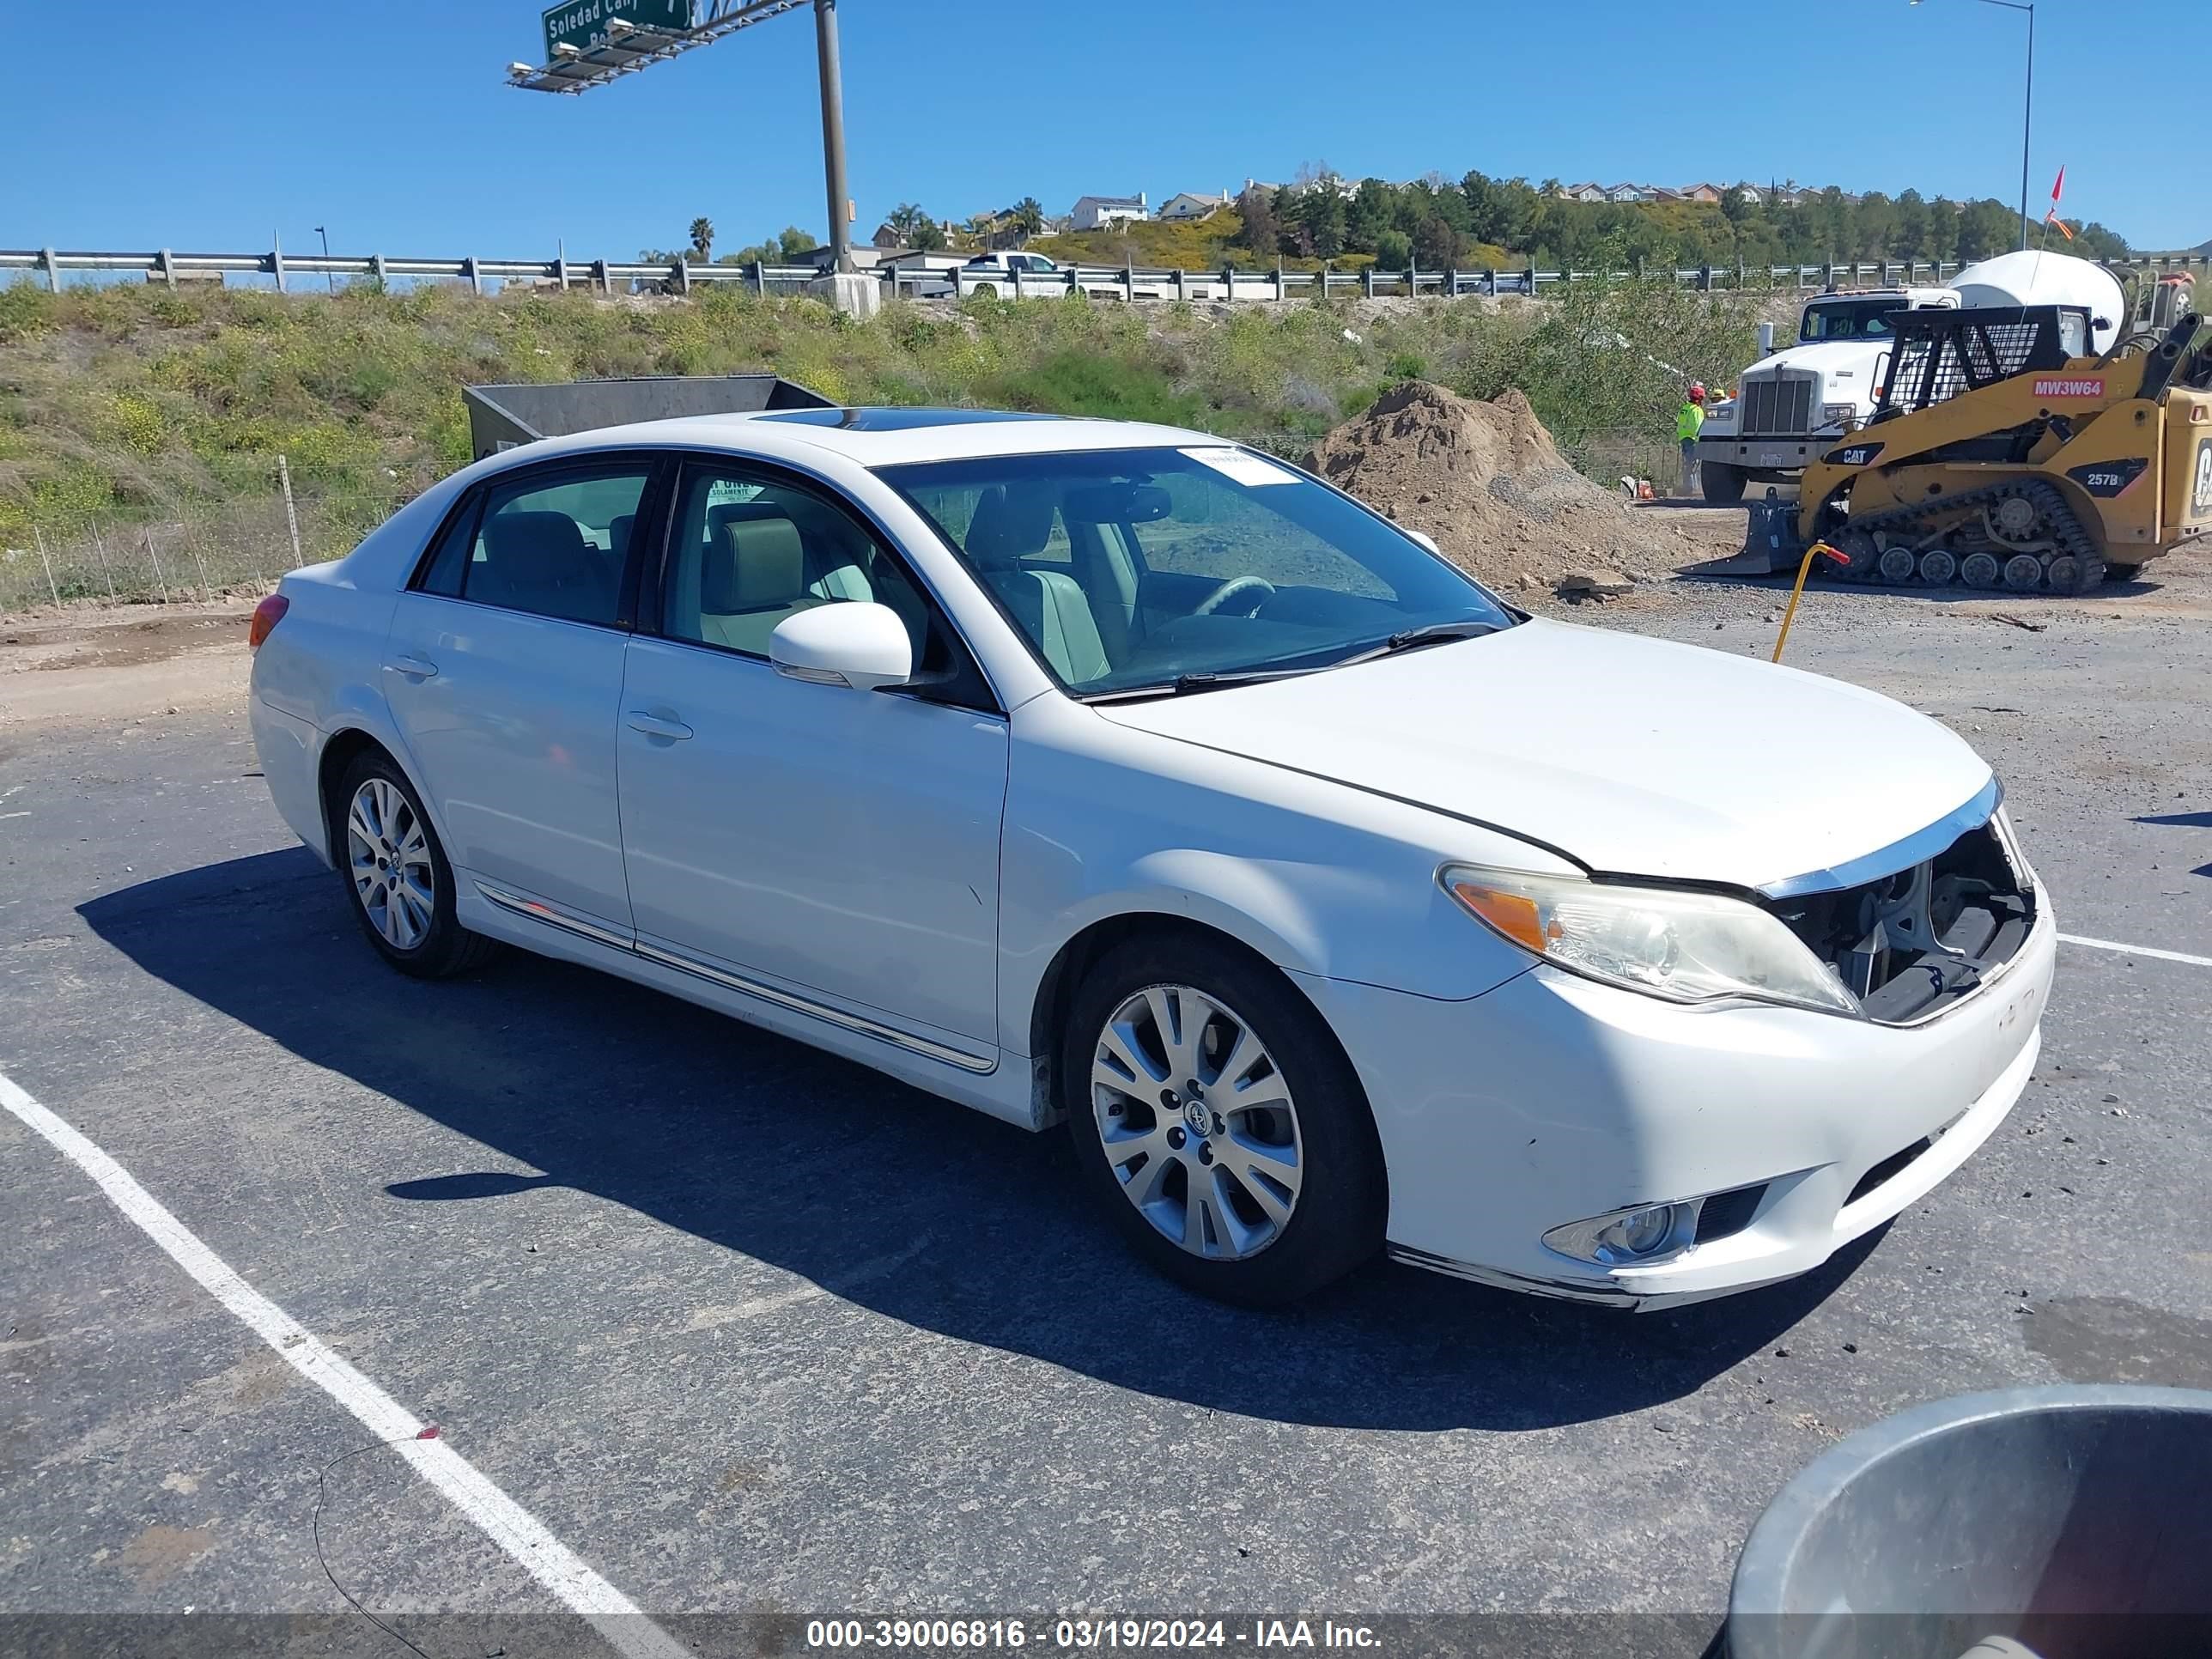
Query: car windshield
[1868, 320]
[1176, 568]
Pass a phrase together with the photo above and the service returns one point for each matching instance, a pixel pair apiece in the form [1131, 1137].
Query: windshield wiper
[1466, 628]
[1434, 633]
[1205, 680]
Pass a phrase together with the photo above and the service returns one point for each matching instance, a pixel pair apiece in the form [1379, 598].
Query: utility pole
[330, 281]
[833, 134]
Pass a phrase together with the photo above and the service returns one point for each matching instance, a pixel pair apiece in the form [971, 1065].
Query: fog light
[1640, 1231]
[1642, 1234]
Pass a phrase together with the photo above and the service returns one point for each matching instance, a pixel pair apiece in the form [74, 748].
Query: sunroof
[897, 420]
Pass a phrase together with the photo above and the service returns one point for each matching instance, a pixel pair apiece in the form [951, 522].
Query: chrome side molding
[536, 910]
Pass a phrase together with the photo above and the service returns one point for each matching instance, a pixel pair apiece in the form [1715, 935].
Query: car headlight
[1669, 942]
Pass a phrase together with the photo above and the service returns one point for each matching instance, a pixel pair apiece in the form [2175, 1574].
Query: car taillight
[266, 616]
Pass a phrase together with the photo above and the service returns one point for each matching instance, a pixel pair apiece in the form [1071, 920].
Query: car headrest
[619, 533]
[1012, 523]
[548, 540]
[753, 564]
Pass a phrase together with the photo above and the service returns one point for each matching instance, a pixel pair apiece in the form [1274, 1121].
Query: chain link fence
[202, 552]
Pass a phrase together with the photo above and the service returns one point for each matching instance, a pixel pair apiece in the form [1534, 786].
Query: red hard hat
[1697, 391]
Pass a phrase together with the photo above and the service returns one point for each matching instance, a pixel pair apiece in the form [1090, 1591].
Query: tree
[927, 236]
[703, 241]
[1394, 250]
[1026, 216]
[1367, 216]
[1262, 232]
[793, 242]
[1986, 227]
[1909, 230]
[906, 221]
[1943, 229]
[1319, 213]
[1873, 227]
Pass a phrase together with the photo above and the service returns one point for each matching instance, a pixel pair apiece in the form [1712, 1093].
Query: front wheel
[1724, 485]
[397, 876]
[1220, 1124]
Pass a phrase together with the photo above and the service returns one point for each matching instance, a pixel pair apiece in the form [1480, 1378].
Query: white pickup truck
[1025, 276]
[1794, 403]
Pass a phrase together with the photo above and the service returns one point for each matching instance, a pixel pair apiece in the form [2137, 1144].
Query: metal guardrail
[1127, 282]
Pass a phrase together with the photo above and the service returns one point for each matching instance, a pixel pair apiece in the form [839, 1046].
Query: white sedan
[1115, 775]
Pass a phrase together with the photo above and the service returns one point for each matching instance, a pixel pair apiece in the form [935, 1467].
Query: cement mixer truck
[1793, 404]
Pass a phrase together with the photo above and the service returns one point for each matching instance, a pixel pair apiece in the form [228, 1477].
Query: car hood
[1631, 756]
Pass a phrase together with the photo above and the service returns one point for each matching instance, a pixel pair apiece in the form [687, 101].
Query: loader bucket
[1771, 543]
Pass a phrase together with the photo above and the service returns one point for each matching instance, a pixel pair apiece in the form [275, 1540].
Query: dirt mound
[1488, 482]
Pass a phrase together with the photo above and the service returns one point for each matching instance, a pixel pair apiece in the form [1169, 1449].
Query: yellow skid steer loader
[2002, 455]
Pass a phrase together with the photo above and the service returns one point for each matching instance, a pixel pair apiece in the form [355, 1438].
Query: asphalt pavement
[754, 1330]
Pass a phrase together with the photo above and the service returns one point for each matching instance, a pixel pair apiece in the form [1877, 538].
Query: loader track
[1968, 555]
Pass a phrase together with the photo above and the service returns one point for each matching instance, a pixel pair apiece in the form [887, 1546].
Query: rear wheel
[1220, 1124]
[397, 877]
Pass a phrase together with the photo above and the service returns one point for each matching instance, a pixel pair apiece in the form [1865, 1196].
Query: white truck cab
[1793, 404]
[1797, 400]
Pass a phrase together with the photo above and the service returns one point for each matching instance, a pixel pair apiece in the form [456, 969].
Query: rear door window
[551, 546]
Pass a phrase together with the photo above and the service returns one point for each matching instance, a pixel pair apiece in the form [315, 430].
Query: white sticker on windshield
[1245, 469]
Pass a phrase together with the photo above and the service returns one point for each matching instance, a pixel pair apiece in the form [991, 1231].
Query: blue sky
[389, 124]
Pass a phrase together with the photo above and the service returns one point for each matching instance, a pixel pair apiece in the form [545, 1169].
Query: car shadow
[921, 1210]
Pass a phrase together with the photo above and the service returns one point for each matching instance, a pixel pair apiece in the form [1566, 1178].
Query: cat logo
[1852, 455]
[2200, 504]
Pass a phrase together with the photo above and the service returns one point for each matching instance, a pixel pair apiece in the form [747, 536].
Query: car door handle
[654, 725]
[414, 667]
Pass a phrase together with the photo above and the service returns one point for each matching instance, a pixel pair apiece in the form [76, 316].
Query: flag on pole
[2058, 189]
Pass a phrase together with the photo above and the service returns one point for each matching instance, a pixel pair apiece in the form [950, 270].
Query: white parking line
[2135, 950]
[501, 1519]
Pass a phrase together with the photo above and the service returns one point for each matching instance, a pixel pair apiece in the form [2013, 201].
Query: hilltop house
[1102, 212]
[1189, 206]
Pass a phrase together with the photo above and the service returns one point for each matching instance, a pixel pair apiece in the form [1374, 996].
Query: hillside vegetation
[128, 403]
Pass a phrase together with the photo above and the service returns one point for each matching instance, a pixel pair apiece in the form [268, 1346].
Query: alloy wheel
[1197, 1123]
[388, 854]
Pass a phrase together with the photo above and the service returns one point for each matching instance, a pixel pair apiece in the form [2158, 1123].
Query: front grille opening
[1779, 405]
[1726, 1213]
[1894, 1164]
[1908, 944]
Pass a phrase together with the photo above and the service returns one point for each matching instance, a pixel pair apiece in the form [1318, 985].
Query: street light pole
[833, 133]
[330, 282]
[2027, 106]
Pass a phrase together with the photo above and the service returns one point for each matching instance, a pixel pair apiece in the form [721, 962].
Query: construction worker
[1688, 421]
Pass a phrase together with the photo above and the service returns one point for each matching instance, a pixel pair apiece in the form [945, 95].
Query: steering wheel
[1260, 587]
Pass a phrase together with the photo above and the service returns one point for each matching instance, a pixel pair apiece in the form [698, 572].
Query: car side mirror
[1426, 540]
[862, 645]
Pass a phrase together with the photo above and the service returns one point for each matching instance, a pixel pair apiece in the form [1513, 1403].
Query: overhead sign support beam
[592, 42]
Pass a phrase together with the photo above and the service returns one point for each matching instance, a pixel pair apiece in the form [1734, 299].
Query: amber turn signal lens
[266, 616]
[1512, 915]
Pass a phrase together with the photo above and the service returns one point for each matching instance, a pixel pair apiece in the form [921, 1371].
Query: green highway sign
[583, 23]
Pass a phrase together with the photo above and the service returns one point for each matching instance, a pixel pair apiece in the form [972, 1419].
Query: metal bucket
[2075, 1521]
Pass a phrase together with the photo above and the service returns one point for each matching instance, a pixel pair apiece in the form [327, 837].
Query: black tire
[1336, 1221]
[1724, 485]
[2122, 573]
[445, 948]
